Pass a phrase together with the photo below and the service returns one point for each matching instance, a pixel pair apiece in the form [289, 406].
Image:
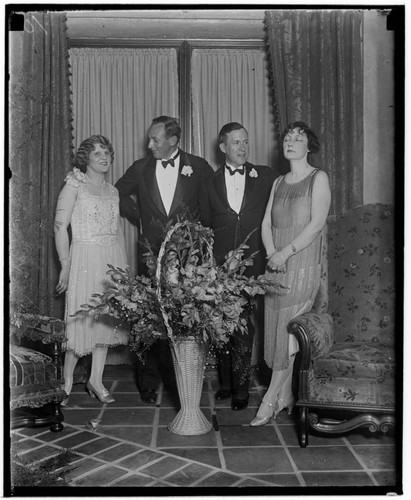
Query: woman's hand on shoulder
[75, 177]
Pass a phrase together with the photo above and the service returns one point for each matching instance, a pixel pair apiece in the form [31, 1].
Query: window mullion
[185, 96]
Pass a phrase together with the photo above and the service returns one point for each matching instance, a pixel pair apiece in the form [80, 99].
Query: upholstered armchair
[36, 378]
[347, 344]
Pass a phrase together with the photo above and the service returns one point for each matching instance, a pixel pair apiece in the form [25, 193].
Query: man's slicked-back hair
[227, 128]
[171, 126]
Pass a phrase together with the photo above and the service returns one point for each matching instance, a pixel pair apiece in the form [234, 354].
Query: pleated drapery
[40, 156]
[317, 74]
[232, 85]
[116, 93]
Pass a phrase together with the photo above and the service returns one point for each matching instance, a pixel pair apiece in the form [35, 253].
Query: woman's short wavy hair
[82, 158]
[313, 142]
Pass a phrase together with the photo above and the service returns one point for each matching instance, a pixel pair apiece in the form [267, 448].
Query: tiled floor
[127, 444]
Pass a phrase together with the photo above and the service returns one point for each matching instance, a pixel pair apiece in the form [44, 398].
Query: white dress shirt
[167, 181]
[235, 188]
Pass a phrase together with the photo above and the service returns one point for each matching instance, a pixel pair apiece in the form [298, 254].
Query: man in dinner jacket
[168, 183]
[237, 196]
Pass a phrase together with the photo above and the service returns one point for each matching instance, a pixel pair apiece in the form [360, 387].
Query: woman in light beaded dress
[293, 231]
[90, 205]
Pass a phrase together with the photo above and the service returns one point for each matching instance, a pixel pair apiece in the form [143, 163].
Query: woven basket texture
[189, 357]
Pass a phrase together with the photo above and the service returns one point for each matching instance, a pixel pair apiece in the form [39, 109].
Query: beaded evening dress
[94, 226]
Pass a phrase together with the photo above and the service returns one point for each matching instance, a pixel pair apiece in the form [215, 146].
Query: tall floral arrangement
[185, 293]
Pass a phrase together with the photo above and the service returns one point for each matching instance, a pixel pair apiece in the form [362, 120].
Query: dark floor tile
[100, 477]
[219, 479]
[366, 437]
[139, 460]
[138, 435]
[170, 400]
[337, 479]
[167, 415]
[79, 388]
[324, 458]
[164, 467]
[50, 437]
[290, 436]
[377, 457]
[135, 416]
[76, 439]
[95, 446]
[133, 480]
[385, 478]
[256, 460]
[127, 386]
[25, 445]
[81, 401]
[79, 416]
[119, 451]
[278, 479]
[41, 453]
[81, 467]
[169, 439]
[126, 399]
[187, 476]
[123, 372]
[32, 431]
[209, 456]
[227, 416]
[235, 435]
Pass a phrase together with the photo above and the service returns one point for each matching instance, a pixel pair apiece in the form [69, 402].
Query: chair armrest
[46, 329]
[315, 335]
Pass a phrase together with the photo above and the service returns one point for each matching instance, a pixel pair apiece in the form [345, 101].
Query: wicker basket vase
[189, 358]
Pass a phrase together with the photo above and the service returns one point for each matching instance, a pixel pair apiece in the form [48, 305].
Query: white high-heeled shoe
[257, 421]
[282, 404]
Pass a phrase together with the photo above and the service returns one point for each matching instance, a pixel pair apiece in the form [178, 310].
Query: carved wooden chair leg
[56, 425]
[303, 427]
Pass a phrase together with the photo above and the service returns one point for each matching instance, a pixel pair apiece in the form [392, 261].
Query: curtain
[116, 93]
[40, 155]
[317, 74]
[232, 85]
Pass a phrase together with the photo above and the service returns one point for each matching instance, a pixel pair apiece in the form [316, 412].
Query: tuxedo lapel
[152, 186]
[221, 187]
[250, 185]
[183, 182]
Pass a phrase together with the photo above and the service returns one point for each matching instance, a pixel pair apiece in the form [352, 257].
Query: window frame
[184, 49]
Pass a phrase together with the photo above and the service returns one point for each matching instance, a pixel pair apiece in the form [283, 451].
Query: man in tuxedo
[165, 184]
[237, 196]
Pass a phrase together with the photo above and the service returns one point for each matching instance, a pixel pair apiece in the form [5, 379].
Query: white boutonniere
[75, 177]
[253, 173]
[187, 170]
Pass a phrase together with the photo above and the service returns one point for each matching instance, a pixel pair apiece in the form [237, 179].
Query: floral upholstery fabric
[33, 380]
[359, 369]
[319, 328]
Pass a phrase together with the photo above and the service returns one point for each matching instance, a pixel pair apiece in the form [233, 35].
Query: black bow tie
[233, 171]
[170, 161]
